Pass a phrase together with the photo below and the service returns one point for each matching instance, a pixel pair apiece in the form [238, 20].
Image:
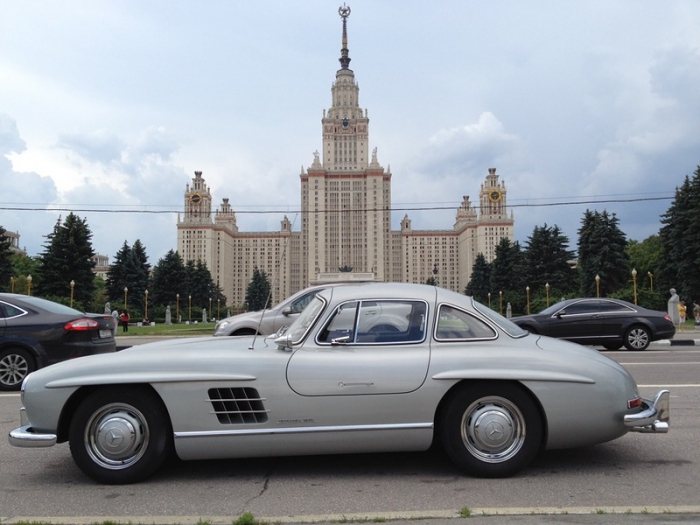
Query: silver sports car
[363, 368]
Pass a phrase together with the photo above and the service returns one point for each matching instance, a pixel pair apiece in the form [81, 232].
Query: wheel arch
[71, 405]
[467, 383]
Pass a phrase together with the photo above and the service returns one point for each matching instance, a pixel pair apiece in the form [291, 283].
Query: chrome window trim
[357, 320]
[24, 312]
[462, 340]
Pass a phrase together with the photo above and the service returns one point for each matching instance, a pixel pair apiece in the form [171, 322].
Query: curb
[677, 342]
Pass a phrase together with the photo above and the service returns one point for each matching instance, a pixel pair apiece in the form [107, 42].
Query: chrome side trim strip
[303, 430]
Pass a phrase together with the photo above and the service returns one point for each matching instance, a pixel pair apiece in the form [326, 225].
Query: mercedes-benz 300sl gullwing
[364, 368]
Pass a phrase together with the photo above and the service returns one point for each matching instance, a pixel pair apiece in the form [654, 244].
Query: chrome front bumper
[25, 437]
[654, 418]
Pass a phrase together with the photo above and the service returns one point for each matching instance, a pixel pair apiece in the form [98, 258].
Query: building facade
[345, 231]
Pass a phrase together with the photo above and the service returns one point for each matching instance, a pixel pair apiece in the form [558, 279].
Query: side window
[8, 311]
[341, 327]
[454, 324]
[377, 322]
[609, 306]
[581, 308]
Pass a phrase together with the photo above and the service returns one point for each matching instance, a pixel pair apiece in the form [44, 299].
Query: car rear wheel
[637, 338]
[119, 437]
[491, 430]
[15, 365]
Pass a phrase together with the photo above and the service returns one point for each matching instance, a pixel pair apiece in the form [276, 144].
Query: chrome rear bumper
[654, 418]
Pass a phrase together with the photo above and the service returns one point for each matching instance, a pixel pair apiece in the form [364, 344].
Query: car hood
[172, 360]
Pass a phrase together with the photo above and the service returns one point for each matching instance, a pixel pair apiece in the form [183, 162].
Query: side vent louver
[234, 406]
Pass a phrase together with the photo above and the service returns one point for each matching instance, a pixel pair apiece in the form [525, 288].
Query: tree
[479, 284]
[5, 260]
[680, 241]
[507, 275]
[169, 279]
[115, 278]
[602, 252]
[258, 291]
[547, 258]
[67, 257]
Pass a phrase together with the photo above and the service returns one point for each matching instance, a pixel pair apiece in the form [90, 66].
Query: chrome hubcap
[638, 338]
[116, 436]
[493, 429]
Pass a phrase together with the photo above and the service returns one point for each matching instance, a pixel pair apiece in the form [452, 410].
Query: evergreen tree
[479, 284]
[5, 260]
[680, 241]
[507, 280]
[547, 257]
[135, 275]
[258, 291]
[67, 257]
[168, 280]
[602, 252]
[115, 279]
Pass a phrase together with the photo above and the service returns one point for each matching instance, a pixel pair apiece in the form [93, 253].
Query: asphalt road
[640, 477]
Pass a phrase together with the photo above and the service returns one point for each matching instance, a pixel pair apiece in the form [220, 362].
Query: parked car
[600, 321]
[35, 333]
[269, 321]
[365, 368]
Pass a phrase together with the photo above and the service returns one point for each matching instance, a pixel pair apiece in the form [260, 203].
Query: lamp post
[597, 285]
[29, 285]
[177, 307]
[634, 284]
[527, 293]
[189, 306]
[651, 281]
[72, 285]
[218, 307]
[546, 289]
[126, 291]
[489, 294]
[12, 284]
[210, 307]
[500, 302]
[146, 303]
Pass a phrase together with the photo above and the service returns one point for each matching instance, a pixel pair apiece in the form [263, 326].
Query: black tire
[136, 424]
[505, 410]
[612, 346]
[244, 331]
[637, 338]
[15, 365]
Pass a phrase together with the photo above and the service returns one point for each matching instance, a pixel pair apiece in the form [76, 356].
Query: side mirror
[284, 342]
[340, 340]
[286, 311]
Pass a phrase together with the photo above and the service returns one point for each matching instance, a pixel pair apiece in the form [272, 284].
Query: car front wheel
[491, 430]
[15, 365]
[637, 338]
[120, 435]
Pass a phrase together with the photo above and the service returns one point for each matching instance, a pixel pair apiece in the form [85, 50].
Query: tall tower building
[345, 228]
[346, 197]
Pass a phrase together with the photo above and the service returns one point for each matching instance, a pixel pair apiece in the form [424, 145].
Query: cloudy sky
[107, 108]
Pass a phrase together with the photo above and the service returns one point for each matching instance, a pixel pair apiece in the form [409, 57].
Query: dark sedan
[597, 321]
[35, 333]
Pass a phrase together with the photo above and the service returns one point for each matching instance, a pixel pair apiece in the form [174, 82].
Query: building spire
[344, 13]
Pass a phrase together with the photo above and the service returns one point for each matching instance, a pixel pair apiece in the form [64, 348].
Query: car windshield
[308, 315]
[506, 325]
